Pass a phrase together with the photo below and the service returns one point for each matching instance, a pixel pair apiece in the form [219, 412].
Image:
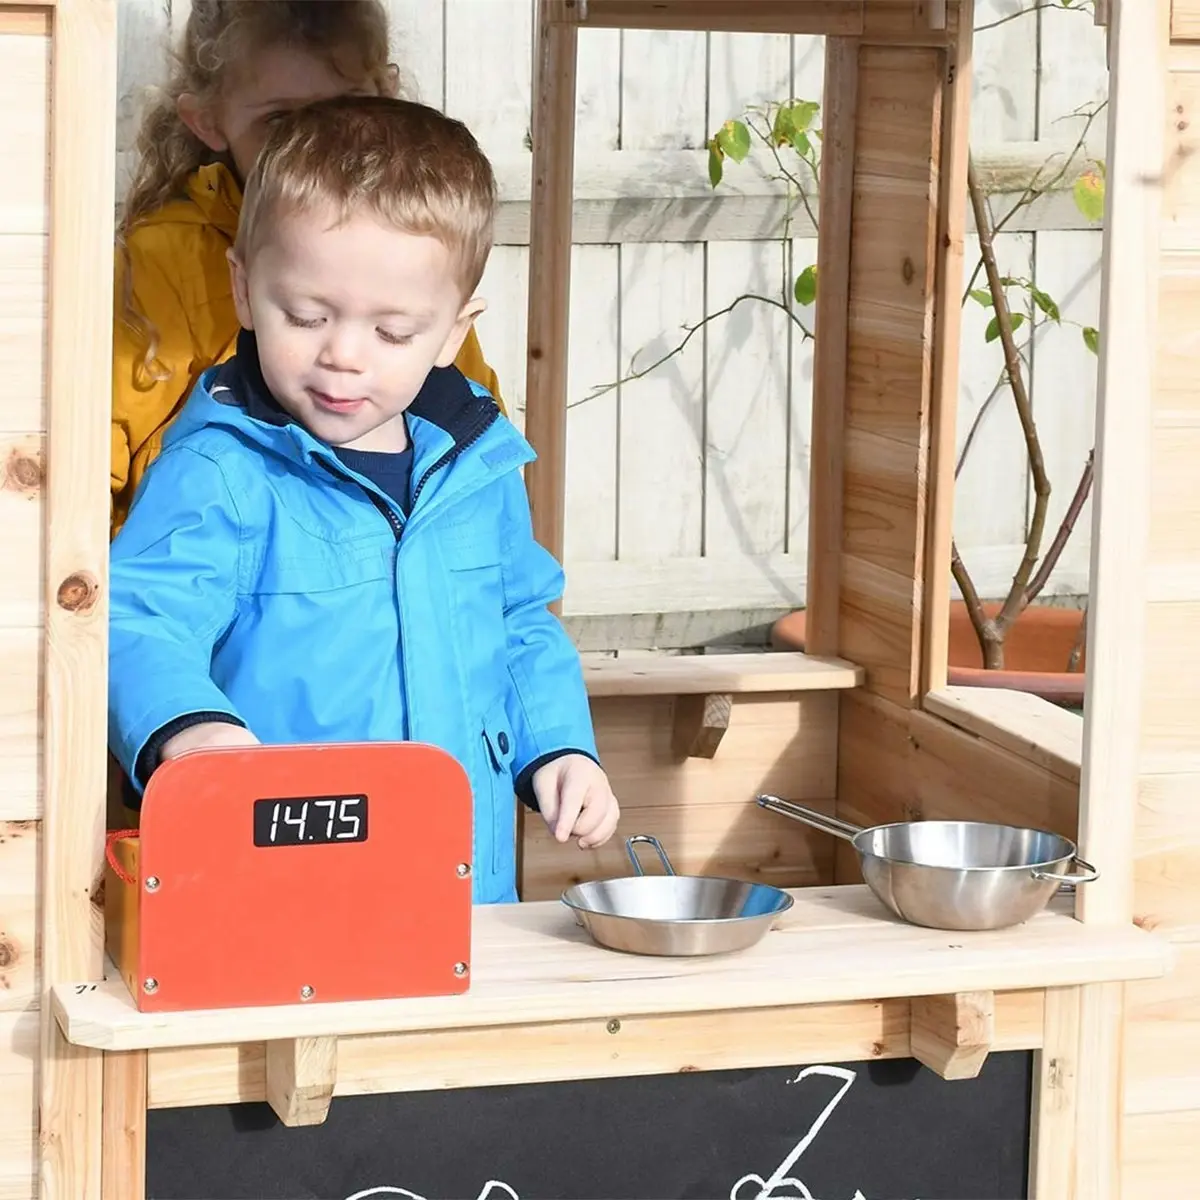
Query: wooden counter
[533, 965]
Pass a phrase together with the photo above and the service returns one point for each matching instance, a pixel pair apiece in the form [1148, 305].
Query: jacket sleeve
[173, 579]
[547, 702]
[473, 365]
[141, 403]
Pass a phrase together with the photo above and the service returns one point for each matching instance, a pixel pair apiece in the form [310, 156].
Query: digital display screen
[310, 820]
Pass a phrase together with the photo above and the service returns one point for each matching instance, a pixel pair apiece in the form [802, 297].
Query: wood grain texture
[19, 1034]
[642, 1045]
[699, 674]
[833, 945]
[20, 744]
[123, 1166]
[702, 809]
[76, 567]
[19, 866]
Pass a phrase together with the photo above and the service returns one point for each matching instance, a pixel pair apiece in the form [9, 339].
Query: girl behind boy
[242, 64]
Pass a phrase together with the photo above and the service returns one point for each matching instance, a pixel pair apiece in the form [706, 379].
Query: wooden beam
[550, 273]
[943, 421]
[700, 724]
[300, 1077]
[831, 18]
[123, 1170]
[952, 1035]
[83, 116]
[832, 336]
[1120, 495]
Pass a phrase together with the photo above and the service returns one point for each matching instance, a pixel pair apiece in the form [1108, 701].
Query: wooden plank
[1032, 728]
[703, 809]
[19, 862]
[25, 20]
[24, 76]
[713, 1041]
[835, 18]
[953, 1035]
[1175, 162]
[1185, 20]
[76, 567]
[1174, 518]
[1170, 687]
[947, 332]
[889, 365]
[834, 945]
[671, 675]
[1052, 1148]
[1166, 856]
[826, 483]
[1162, 1039]
[1159, 1153]
[732, 840]
[23, 284]
[300, 1076]
[1116, 617]
[897, 764]
[22, 495]
[550, 274]
[20, 743]
[19, 1033]
[123, 1167]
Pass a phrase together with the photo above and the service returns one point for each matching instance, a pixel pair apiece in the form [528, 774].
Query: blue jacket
[259, 578]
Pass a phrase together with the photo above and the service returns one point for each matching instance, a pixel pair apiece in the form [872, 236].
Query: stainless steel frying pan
[673, 914]
[954, 874]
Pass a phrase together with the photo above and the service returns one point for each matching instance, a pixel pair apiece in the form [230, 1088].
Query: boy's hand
[207, 736]
[575, 799]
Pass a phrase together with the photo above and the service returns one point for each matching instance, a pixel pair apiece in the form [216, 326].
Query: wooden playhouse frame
[864, 724]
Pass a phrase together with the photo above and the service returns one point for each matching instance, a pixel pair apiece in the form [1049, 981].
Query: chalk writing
[781, 1184]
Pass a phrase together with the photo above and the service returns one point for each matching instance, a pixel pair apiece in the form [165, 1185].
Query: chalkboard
[888, 1130]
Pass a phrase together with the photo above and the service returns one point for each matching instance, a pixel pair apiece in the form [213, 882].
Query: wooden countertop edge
[696, 674]
[1060, 952]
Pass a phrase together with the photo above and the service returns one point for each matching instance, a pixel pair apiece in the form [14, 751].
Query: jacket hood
[212, 196]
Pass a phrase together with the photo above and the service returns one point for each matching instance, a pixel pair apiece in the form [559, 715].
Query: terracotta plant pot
[1036, 651]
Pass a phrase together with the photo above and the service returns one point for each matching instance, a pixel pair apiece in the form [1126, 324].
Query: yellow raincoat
[181, 282]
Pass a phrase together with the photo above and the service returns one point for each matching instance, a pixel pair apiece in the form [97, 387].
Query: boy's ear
[393, 79]
[199, 119]
[241, 289]
[458, 334]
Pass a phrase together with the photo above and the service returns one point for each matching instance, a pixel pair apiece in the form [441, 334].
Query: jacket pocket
[499, 750]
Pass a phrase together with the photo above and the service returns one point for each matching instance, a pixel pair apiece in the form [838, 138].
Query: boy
[335, 544]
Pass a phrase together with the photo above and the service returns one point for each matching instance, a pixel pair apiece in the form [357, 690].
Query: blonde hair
[413, 167]
[220, 39]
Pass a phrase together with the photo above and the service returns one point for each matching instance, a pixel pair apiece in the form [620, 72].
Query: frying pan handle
[631, 842]
[810, 816]
[1087, 874]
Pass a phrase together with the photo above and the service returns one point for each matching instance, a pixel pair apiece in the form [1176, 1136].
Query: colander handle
[631, 842]
[1087, 874]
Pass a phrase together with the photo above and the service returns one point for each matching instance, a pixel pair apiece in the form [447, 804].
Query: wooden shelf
[708, 674]
[534, 965]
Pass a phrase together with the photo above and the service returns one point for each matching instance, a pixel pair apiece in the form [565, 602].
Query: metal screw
[460, 969]
[464, 869]
[150, 986]
[152, 883]
[614, 1026]
[306, 992]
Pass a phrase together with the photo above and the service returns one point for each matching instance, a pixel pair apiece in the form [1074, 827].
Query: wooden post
[550, 214]
[83, 133]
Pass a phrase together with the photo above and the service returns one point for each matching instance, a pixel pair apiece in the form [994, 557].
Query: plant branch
[1065, 529]
[1025, 12]
[983, 410]
[690, 332]
[1015, 600]
[985, 629]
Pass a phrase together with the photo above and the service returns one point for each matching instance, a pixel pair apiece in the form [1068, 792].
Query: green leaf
[806, 286]
[1089, 195]
[782, 129]
[1045, 303]
[1091, 339]
[734, 139]
[981, 296]
[802, 144]
[993, 329]
[715, 168]
[803, 112]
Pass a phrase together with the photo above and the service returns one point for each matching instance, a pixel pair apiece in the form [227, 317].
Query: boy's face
[350, 319]
[284, 78]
